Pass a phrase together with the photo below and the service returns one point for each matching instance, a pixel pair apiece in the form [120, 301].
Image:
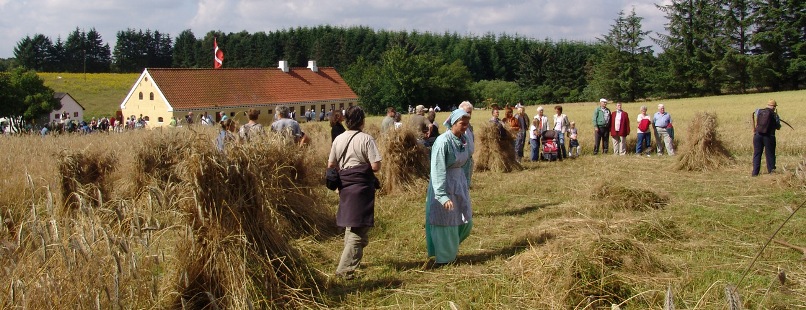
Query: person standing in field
[573, 142]
[765, 123]
[644, 139]
[662, 122]
[534, 139]
[601, 127]
[287, 126]
[520, 137]
[388, 121]
[433, 129]
[418, 123]
[226, 134]
[448, 211]
[496, 120]
[252, 128]
[356, 213]
[336, 128]
[561, 127]
[619, 130]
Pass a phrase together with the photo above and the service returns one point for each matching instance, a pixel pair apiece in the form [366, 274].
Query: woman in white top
[561, 127]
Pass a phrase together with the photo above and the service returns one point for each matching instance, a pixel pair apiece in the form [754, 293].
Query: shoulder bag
[332, 179]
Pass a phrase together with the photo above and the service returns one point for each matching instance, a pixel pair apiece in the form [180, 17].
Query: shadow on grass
[339, 289]
[516, 246]
[515, 212]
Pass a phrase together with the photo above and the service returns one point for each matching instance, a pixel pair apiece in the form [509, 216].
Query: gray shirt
[287, 126]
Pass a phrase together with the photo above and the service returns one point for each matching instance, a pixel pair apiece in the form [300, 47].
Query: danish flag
[218, 55]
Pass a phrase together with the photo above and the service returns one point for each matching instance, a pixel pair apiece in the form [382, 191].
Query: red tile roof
[204, 88]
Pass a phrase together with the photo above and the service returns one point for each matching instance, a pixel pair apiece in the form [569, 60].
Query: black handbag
[332, 178]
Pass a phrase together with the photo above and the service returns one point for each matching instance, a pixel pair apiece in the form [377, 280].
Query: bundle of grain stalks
[598, 272]
[156, 156]
[495, 151]
[703, 150]
[84, 177]
[620, 197]
[250, 200]
[405, 161]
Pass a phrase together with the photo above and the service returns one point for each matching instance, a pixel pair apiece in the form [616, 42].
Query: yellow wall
[154, 109]
[157, 108]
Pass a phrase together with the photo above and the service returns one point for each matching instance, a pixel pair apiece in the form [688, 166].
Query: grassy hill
[99, 93]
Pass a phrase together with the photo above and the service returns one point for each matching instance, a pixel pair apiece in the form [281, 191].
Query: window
[146, 118]
[56, 116]
[270, 112]
[151, 96]
[232, 114]
[141, 95]
[75, 114]
[159, 119]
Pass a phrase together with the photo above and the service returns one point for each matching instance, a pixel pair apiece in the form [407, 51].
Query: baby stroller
[549, 145]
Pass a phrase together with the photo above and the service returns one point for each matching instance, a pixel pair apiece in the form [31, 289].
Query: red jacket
[625, 124]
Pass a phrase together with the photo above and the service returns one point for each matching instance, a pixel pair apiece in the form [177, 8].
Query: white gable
[70, 107]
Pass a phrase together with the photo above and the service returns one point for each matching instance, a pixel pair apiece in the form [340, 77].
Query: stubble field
[553, 236]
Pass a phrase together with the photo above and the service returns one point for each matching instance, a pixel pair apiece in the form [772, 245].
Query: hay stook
[703, 150]
[495, 151]
[405, 161]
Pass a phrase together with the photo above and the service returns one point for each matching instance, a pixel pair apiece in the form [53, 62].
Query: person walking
[357, 157]
[601, 127]
[448, 211]
[765, 122]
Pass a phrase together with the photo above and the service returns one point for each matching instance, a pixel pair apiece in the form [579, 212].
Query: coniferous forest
[709, 48]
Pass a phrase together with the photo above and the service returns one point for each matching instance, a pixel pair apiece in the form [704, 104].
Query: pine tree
[620, 71]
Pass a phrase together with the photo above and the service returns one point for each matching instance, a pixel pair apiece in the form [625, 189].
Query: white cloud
[540, 19]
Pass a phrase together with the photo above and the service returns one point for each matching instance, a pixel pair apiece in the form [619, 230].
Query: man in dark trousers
[601, 127]
[765, 123]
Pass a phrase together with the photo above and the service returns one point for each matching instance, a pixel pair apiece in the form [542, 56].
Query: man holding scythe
[765, 122]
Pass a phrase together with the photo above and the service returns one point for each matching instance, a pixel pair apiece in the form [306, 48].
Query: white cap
[603, 100]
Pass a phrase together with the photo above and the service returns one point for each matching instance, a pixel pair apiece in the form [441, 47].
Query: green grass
[99, 93]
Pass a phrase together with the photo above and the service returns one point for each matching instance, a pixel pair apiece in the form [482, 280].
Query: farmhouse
[71, 109]
[160, 94]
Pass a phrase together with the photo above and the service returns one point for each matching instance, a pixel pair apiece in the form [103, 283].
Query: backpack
[763, 120]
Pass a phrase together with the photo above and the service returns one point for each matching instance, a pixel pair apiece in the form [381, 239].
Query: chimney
[283, 66]
[312, 66]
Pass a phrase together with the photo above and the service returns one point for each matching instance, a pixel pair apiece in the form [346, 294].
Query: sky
[577, 20]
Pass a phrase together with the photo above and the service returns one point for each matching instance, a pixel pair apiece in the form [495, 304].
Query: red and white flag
[218, 55]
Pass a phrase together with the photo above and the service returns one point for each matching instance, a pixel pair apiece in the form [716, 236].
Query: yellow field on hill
[100, 93]
[160, 219]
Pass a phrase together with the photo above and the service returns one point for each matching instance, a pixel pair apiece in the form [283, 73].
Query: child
[534, 138]
[573, 143]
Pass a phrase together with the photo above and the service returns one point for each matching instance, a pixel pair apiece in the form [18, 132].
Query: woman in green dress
[448, 214]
